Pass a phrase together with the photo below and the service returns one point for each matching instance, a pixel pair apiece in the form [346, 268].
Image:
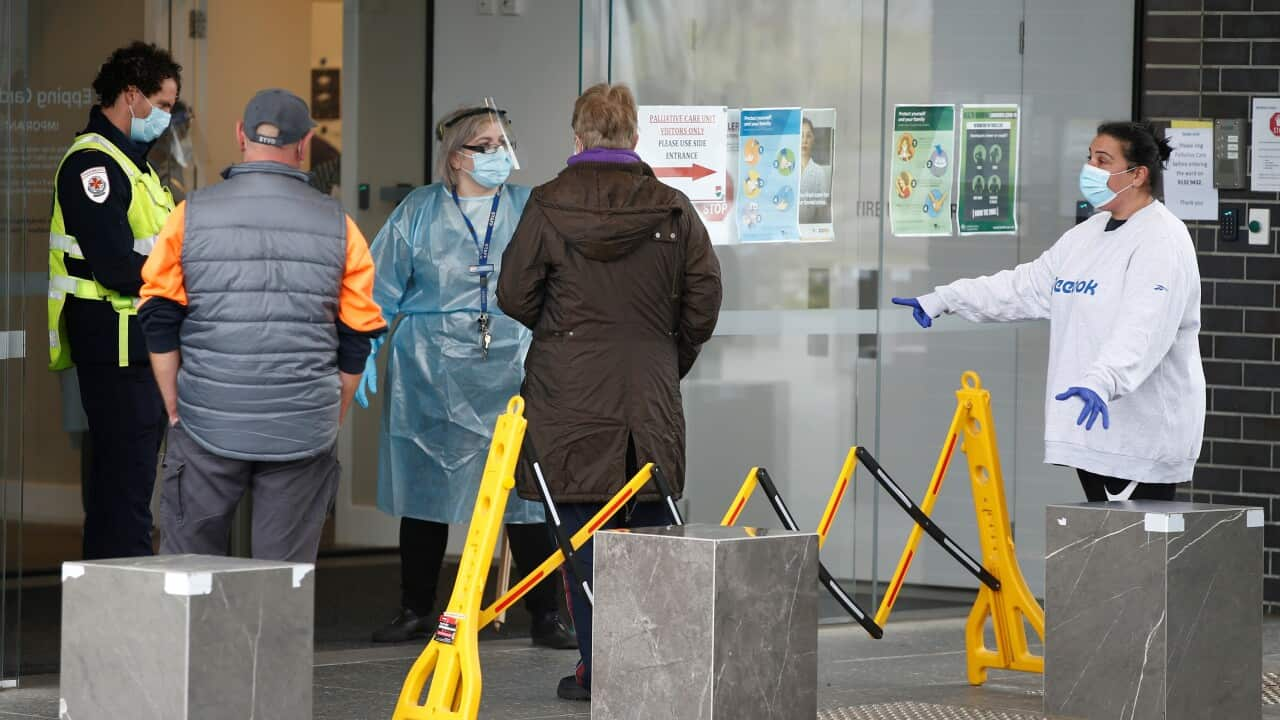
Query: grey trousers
[201, 490]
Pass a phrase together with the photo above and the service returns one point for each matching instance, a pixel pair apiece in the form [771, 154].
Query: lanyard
[483, 268]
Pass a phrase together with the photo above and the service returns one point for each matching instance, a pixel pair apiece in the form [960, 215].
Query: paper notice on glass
[1188, 178]
[718, 216]
[769, 175]
[921, 170]
[817, 166]
[1264, 157]
[686, 145]
[988, 187]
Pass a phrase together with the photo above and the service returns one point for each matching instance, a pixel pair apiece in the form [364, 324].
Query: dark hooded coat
[615, 274]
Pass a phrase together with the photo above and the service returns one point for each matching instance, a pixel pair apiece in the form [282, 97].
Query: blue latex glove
[921, 316]
[1093, 407]
[370, 377]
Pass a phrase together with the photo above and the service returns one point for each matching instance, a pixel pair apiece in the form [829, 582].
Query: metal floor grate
[920, 711]
[928, 711]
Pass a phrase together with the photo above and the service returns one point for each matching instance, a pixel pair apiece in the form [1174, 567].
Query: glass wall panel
[810, 357]
[788, 383]
[13, 199]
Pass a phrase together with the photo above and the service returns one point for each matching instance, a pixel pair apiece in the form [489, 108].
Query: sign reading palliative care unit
[1188, 181]
[920, 170]
[988, 188]
[686, 145]
[769, 175]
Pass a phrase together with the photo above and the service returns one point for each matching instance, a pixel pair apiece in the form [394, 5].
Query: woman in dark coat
[615, 274]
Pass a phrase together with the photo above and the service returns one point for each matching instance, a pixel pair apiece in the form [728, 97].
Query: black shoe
[550, 631]
[569, 689]
[407, 626]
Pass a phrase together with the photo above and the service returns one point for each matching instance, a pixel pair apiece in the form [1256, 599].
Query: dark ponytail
[1142, 146]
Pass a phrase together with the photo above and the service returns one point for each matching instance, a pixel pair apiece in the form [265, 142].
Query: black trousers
[1096, 488]
[126, 423]
[422, 548]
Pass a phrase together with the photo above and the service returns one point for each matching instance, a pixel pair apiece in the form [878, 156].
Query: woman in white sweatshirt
[1125, 398]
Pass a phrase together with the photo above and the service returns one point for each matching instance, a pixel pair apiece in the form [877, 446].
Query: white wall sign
[1188, 179]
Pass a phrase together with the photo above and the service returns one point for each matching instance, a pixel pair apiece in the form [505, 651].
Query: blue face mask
[1093, 184]
[491, 170]
[147, 129]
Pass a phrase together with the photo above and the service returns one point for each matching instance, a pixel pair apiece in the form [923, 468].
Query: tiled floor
[916, 671]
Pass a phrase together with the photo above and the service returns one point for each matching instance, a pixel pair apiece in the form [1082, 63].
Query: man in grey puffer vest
[258, 312]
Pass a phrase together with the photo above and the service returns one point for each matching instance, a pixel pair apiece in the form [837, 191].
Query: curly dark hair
[141, 65]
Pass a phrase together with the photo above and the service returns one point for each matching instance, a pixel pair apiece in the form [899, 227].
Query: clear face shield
[180, 140]
[502, 126]
[500, 117]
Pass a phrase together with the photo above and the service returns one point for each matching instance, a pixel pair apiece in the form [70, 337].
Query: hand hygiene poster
[817, 153]
[988, 190]
[921, 170]
[769, 175]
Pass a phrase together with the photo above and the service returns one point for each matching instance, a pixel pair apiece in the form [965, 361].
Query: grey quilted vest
[263, 256]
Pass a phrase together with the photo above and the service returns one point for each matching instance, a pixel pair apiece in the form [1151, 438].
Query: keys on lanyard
[483, 268]
[485, 338]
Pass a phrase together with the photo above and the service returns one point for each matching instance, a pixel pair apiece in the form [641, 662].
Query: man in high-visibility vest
[108, 207]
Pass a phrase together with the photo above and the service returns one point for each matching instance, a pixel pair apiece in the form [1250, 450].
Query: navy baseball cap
[281, 108]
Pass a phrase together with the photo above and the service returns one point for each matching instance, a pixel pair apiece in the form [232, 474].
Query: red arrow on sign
[693, 172]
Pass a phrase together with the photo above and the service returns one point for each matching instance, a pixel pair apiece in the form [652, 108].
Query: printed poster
[717, 216]
[921, 170]
[817, 163]
[988, 188]
[1188, 180]
[685, 146]
[1264, 158]
[769, 175]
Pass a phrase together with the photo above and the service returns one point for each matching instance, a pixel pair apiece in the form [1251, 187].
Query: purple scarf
[603, 154]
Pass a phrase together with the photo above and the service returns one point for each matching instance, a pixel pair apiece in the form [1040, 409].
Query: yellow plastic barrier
[450, 664]
[758, 477]
[1012, 603]
[752, 481]
[579, 539]
[451, 661]
[917, 531]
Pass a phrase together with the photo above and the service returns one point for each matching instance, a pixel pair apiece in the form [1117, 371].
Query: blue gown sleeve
[392, 252]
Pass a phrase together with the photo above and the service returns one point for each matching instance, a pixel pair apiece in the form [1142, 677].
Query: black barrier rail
[845, 600]
[572, 561]
[563, 536]
[664, 487]
[924, 522]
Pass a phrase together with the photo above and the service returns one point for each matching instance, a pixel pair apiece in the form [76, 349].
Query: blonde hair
[605, 116]
[452, 133]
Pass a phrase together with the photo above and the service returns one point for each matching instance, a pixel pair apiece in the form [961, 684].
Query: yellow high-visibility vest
[148, 210]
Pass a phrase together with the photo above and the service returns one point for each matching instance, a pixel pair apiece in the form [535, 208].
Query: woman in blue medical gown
[454, 361]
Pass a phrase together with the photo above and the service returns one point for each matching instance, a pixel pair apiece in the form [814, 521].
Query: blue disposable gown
[441, 397]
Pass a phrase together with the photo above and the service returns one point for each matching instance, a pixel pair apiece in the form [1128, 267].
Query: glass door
[13, 234]
[384, 135]
[45, 97]
[809, 356]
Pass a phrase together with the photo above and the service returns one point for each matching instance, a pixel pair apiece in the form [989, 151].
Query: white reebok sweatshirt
[1124, 316]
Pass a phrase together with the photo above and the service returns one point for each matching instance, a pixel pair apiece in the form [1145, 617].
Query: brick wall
[1207, 59]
